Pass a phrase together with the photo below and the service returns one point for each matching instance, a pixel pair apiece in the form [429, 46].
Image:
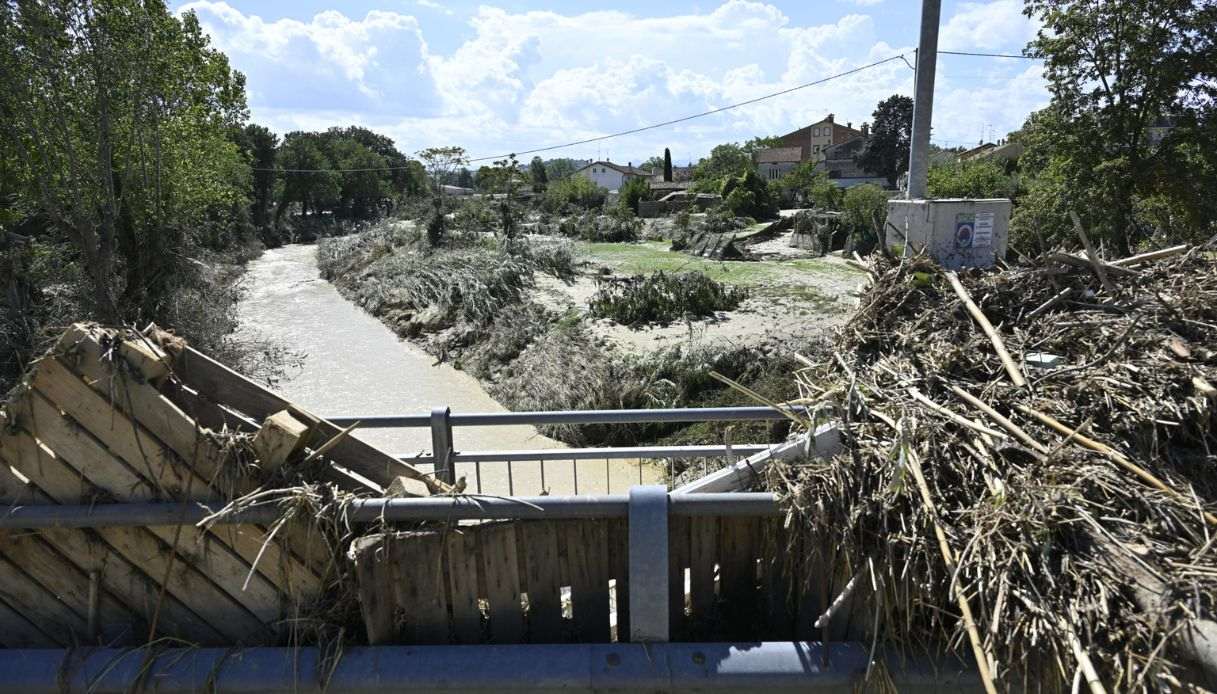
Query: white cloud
[432, 5]
[988, 26]
[536, 78]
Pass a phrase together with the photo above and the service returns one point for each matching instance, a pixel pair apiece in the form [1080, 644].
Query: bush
[864, 214]
[662, 298]
[749, 196]
[972, 179]
[573, 193]
[634, 191]
[603, 228]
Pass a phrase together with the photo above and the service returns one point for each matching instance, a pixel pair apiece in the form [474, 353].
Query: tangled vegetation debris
[1059, 531]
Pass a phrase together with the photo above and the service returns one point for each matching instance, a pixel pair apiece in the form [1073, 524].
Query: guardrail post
[648, 522]
[441, 444]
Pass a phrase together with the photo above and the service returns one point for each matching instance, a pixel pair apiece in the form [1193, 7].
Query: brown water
[355, 366]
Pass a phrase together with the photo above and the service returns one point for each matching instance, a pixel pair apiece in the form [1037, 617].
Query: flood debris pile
[1042, 499]
[119, 416]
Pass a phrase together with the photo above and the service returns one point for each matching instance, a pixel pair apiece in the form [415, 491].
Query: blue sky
[499, 77]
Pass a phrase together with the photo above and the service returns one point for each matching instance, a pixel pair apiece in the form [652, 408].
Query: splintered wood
[113, 416]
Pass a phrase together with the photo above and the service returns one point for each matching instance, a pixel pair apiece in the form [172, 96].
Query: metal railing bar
[687, 414]
[645, 452]
[434, 508]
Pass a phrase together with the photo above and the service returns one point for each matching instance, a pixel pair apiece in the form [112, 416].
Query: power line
[990, 55]
[664, 124]
[633, 131]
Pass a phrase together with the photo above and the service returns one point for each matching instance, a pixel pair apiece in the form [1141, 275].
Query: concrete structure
[773, 163]
[955, 232]
[611, 176]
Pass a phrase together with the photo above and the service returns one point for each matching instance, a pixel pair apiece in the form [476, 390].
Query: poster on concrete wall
[965, 229]
[982, 230]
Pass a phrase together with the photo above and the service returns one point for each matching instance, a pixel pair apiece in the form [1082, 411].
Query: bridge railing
[445, 460]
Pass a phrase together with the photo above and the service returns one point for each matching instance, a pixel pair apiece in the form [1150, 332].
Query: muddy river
[354, 365]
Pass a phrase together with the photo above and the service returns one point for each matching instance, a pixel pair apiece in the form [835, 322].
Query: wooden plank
[30, 598]
[776, 573]
[147, 548]
[417, 561]
[222, 384]
[224, 564]
[619, 572]
[63, 579]
[207, 473]
[119, 577]
[501, 576]
[703, 555]
[587, 566]
[140, 357]
[739, 545]
[377, 598]
[202, 410]
[544, 588]
[463, 586]
[18, 632]
[678, 561]
[96, 459]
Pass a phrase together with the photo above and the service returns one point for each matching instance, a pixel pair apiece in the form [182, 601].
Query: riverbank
[515, 316]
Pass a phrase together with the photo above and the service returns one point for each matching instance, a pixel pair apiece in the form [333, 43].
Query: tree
[440, 163]
[633, 191]
[983, 178]
[118, 125]
[653, 164]
[757, 143]
[1114, 68]
[887, 151]
[724, 162]
[259, 144]
[667, 165]
[805, 182]
[557, 169]
[573, 192]
[506, 176]
[864, 213]
[536, 171]
[748, 195]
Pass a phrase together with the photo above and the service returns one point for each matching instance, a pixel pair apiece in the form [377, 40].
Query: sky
[512, 76]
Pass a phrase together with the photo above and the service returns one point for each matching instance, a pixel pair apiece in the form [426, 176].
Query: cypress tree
[667, 165]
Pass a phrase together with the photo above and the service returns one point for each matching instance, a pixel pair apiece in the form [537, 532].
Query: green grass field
[649, 256]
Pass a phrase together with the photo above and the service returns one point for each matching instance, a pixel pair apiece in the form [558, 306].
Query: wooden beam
[223, 385]
[280, 439]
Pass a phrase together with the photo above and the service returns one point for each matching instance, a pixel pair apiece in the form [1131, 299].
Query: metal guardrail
[444, 457]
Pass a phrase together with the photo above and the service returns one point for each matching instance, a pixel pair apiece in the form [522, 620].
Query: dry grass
[1064, 554]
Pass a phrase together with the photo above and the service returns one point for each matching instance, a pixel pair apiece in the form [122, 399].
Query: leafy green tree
[748, 196]
[724, 162]
[259, 144]
[864, 213]
[573, 192]
[984, 178]
[653, 164]
[440, 163]
[536, 172]
[757, 143]
[117, 123]
[308, 175]
[813, 186]
[507, 177]
[1114, 68]
[887, 151]
[633, 191]
[557, 169]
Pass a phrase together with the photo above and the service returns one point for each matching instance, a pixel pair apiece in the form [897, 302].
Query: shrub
[662, 298]
[749, 196]
[864, 213]
[610, 228]
[972, 179]
[632, 192]
[573, 193]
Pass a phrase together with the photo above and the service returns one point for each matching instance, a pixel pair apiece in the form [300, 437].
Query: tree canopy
[887, 151]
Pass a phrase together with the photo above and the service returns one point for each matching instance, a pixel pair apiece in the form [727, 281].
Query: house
[775, 162]
[978, 151]
[610, 176]
[679, 174]
[842, 168]
[817, 137]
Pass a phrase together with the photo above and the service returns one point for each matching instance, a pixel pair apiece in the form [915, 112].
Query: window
[815, 132]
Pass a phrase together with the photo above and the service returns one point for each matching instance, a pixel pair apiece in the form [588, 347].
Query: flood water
[355, 366]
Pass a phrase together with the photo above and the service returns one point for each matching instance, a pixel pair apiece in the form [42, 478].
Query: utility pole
[923, 98]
